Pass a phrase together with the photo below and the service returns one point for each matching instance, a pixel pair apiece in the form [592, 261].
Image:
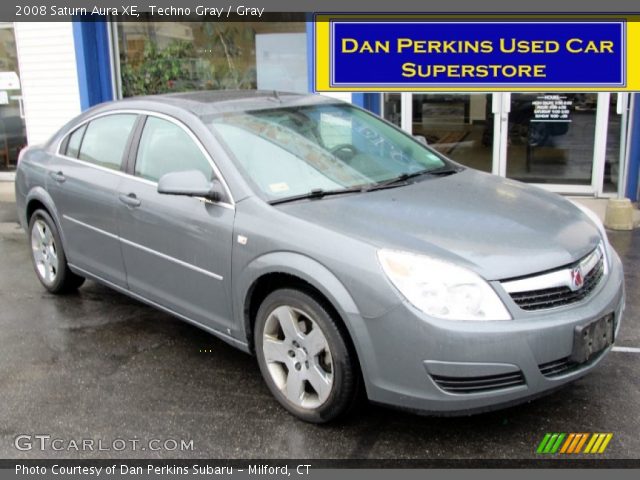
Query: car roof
[211, 102]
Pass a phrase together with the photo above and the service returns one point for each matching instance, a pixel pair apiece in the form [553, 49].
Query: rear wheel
[49, 260]
[304, 357]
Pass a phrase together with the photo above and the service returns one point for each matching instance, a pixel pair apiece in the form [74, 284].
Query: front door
[177, 249]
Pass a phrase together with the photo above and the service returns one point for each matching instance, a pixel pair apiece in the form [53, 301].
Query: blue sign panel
[477, 54]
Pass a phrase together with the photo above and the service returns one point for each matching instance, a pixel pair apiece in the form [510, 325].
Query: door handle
[130, 200]
[58, 176]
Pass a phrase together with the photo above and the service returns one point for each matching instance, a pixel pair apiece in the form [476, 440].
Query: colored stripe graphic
[550, 443]
[572, 440]
[556, 446]
[604, 445]
[573, 443]
[543, 443]
[581, 442]
[591, 443]
[568, 442]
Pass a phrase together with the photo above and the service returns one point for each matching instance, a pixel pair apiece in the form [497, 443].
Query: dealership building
[51, 71]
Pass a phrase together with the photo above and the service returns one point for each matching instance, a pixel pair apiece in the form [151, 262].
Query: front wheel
[304, 357]
[47, 255]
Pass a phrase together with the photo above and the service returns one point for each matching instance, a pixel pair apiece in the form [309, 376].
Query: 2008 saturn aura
[348, 256]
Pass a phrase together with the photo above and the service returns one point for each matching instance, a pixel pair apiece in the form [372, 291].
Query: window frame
[135, 150]
[131, 149]
[67, 140]
[63, 144]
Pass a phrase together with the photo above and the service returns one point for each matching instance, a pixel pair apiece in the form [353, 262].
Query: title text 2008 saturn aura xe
[348, 256]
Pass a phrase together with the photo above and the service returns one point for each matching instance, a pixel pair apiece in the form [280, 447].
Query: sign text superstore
[436, 54]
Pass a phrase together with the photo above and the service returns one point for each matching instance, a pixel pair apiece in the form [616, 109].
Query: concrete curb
[7, 193]
[7, 176]
[11, 231]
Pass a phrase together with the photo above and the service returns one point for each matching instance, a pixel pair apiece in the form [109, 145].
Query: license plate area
[591, 339]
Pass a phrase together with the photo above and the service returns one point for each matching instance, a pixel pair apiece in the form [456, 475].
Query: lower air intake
[557, 367]
[479, 384]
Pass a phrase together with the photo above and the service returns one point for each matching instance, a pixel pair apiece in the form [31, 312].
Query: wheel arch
[39, 198]
[286, 269]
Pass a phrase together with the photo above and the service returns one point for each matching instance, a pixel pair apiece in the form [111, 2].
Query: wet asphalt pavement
[99, 365]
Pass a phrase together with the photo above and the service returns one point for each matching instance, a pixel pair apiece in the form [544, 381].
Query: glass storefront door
[550, 138]
[460, 125]
[565, 142]
[12, 127]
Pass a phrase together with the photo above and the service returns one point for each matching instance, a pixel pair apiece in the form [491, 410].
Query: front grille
[559, 296]
[479, 384]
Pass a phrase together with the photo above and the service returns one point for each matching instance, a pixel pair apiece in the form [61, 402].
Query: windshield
[292, 151]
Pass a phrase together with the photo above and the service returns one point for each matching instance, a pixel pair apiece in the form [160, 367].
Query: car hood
[498, 227]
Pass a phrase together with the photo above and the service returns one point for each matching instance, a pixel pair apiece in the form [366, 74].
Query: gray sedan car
[347, 256]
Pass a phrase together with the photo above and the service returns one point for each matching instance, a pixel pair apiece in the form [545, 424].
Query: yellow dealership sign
[476, 53]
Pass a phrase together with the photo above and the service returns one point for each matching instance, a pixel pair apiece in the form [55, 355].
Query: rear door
[83, 180]
[177, 249]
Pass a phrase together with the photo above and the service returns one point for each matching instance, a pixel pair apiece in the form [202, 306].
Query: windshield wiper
[402, 179]
[316, 193]
[444, 171]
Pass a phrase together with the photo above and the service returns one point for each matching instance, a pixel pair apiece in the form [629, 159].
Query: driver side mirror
[190, 183]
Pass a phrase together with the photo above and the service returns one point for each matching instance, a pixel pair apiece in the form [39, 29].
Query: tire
[47, 255]
[314, 376]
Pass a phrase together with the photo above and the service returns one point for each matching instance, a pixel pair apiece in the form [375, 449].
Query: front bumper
[411, 360]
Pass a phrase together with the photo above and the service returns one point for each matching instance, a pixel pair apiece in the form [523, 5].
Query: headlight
[442, 289]
[603, 233]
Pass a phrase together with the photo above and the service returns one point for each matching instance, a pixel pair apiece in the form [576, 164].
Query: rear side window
[164, 148]
[105, 140]
[73, 145]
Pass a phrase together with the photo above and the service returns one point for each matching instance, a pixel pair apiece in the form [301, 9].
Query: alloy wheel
[298, 357]
[44, 251]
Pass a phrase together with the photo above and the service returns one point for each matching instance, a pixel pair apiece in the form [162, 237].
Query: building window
[161, 57]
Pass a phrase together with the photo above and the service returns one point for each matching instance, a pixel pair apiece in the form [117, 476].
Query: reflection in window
[294, 150]
[73, 147]
[160, 57]
[164, 148]
[391, 108]
[105, 140]
[551, 137]
[459, 125]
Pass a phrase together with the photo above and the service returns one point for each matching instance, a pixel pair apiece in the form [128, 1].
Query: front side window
[165, 147]
[105, 140]
[292, 151]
